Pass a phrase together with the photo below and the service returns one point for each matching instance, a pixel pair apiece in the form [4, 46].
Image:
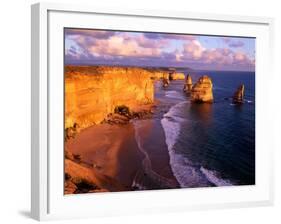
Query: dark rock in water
[188, 84]
[165, 82]
[202, 91]
[238, 96]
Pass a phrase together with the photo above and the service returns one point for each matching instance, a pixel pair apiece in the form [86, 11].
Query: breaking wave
[174, 95]
[185, 171]
[214, 178]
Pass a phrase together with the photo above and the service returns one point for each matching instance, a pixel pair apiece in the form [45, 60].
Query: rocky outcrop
[238, 96]
[159, 74]
[69, 187]
[176, 76]
[188, 84]
[78, 178]
[165, 82]
[93, 92]
[202, 91]
[123, 115]
[165, 74]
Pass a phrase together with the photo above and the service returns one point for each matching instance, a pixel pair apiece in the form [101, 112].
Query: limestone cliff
[188, 84]
[202, 91]
[159, 74]
[176, 76]
[93, 92]
[238, 96]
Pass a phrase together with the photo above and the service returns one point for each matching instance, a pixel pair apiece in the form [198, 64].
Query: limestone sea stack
[238, 96]
[188, 84]
[202, 91]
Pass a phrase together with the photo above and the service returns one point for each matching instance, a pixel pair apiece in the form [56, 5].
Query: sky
[199, 52]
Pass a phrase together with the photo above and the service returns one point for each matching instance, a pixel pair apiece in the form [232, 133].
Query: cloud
[218, 56]
[169, 36]
[226, 39]
[236, 44]
[72, 50]
[153, 49]
[233, 42]
[239, 56]
[195, 53]
[99, 34]
[145, 42]
[193, 49]
[121, 44]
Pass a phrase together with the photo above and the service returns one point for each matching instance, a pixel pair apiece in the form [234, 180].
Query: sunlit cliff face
[91, 93]
[202, 91]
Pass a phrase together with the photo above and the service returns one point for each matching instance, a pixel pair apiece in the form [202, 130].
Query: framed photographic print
[148, 111]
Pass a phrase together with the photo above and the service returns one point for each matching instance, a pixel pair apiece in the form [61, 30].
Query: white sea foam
[186, 173]
[214, 178]
[248, 101]
[174, 94]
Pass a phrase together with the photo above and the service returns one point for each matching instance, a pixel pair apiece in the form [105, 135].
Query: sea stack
[238, 96]
[202, 91]
[188, 84]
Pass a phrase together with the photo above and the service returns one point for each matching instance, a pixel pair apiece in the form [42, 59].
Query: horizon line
[148, 66]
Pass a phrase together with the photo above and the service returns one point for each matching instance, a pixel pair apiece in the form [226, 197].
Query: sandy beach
[112, 152]
[117, 162]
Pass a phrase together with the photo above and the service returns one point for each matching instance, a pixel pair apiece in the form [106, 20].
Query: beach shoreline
[117, 161]
[104, 148]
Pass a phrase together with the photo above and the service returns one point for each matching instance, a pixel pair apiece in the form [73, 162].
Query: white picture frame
[48, 201]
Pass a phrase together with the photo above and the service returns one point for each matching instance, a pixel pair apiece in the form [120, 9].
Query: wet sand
[112, 152]
[119, 162]
[151, 141]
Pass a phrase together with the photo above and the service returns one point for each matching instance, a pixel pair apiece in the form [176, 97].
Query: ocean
[208, 144]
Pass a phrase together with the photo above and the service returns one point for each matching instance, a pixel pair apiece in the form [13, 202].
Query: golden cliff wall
[176, 76]
[159, 75]
[92, 92]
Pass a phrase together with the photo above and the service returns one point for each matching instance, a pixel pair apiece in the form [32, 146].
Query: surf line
[155, 179]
